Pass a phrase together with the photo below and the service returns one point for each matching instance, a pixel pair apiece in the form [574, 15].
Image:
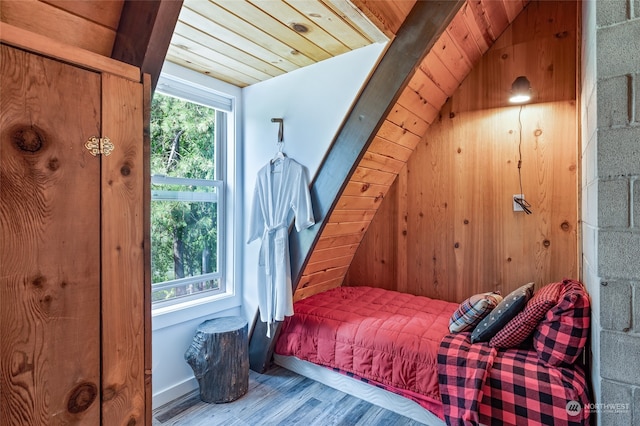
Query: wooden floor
[279, 397]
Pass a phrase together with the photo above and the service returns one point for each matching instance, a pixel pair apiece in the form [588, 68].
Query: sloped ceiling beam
[144, 34]
[417, 35]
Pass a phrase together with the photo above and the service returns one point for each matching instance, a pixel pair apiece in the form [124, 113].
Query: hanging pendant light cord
[521, 201]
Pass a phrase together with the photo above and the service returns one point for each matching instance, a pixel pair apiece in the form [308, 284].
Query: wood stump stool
[219, 358]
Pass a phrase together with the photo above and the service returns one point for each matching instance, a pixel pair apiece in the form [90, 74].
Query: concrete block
[590, 246]
[613, 101]
[636, 391]
[616, 298]
[615, 408]
[590, 158]
[611, 12]
[588, 64]
[613, 203]
[636, 308]
[616, 57]
[619, 151]
[635, 78]
[620, 357]
[635, 209]
[618, 254]
[590, 204]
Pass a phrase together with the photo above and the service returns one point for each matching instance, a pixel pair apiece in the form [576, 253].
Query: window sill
[168, 316]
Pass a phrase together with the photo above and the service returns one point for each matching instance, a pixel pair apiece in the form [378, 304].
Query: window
[188, 214]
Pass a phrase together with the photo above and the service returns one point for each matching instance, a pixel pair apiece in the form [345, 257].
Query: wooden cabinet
[73, 298]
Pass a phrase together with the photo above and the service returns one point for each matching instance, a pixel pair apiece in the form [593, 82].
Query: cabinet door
[73, 304]
[49, 242]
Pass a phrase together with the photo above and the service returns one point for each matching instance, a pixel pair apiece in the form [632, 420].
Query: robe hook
[280, 121]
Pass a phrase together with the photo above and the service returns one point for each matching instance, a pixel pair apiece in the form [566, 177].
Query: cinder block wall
[610, 109]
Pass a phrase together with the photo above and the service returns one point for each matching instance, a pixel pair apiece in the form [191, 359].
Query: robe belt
[266, 238]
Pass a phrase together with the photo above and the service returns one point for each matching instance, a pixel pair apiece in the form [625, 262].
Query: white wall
[313, 102]
[173, 327]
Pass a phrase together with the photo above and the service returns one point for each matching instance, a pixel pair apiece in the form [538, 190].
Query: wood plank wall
[94, 23]
[446, 228]
[468, 37]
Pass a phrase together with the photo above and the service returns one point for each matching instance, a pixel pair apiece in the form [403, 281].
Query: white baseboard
[174, 392]
[372, 394]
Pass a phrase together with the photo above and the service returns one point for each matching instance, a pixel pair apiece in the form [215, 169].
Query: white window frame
[198, 88]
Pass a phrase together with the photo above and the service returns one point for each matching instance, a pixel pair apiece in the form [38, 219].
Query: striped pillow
[471, 311]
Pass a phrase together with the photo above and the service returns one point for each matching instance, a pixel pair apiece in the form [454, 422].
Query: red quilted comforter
[386, 337]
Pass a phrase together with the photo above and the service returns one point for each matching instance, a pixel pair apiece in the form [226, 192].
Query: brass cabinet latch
[97, 145]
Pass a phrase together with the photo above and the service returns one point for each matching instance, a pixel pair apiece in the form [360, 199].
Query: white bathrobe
[281, 191]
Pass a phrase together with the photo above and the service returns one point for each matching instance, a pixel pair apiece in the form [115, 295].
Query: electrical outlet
[517, 207]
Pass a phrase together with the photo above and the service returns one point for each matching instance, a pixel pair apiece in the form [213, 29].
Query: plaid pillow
[471, 311]
[512, 304]
[521, 326]
[562, 333]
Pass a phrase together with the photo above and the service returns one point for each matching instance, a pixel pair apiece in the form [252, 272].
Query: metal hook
[280, 121]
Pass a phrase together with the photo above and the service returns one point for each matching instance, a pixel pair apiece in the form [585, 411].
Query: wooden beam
[144, 34]
[417, 35]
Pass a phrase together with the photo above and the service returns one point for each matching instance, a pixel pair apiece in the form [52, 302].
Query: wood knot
[504, 56]
[456, 245]
[125, 170]
[132, 422]
[364, 187]
[54, 164]
[538, 132]
[28, 139]
[466, 221]
[562, 34]
[546, 243]
[508, 259]
[39, 281]
[565, 226]
[81, 397]
[452, 114]
[459, 150]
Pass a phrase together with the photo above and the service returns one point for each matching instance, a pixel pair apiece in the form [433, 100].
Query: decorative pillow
[562, 333]
[471, 311]
[509, 307]
[522, 325]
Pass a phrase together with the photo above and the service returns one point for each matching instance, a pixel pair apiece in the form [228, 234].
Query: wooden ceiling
[244, 42]
[238, 41]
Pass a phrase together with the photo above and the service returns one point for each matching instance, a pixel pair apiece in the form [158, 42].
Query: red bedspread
[382, 336]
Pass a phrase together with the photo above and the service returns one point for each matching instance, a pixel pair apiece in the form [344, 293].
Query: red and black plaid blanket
[484, 385]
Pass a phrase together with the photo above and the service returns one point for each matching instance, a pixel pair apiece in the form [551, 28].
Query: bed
[398, 346]
[385, 338]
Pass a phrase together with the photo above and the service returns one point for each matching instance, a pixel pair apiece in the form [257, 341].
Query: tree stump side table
[219, 358]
